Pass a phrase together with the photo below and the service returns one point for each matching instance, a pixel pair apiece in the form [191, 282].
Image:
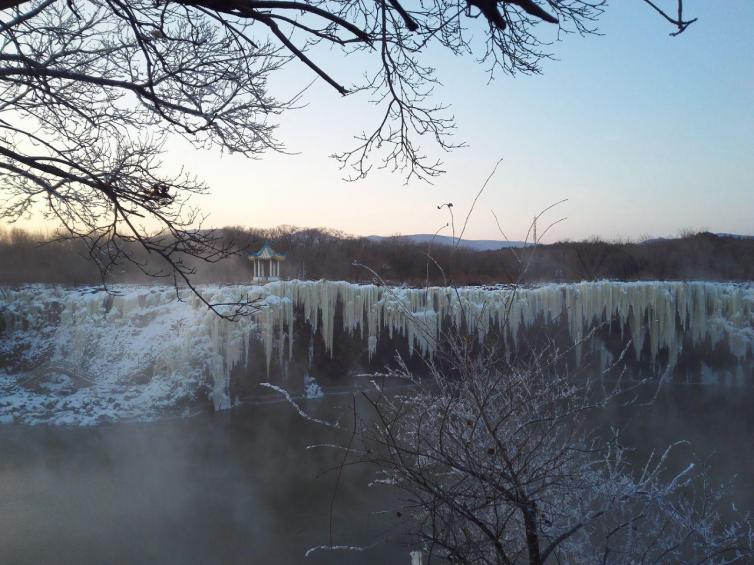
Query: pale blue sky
[642, 132]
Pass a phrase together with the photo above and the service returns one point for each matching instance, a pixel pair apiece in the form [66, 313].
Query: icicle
[145, 329]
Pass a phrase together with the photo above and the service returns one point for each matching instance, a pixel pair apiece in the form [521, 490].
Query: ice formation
[164, 349]
[663, 311]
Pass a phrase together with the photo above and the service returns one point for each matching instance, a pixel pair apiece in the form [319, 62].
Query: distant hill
[474, 244]
[735, 235]
[718, 235]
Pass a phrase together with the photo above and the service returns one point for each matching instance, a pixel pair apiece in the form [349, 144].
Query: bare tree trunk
[529, 510]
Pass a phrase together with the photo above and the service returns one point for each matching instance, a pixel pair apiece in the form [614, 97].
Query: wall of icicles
[695, 329]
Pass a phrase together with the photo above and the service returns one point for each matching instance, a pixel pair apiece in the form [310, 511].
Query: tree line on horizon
[30, 257]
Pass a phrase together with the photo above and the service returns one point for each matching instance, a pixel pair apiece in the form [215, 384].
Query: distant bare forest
[322, 253]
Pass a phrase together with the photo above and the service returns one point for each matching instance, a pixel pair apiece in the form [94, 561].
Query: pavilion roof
[267, 252]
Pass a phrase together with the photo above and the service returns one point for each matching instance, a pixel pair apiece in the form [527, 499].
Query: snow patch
[312, 388]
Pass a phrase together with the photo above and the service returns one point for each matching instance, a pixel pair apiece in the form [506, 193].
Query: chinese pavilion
[266, 263]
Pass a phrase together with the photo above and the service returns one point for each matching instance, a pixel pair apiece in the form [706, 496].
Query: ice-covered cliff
[663, 311]
[85, 355]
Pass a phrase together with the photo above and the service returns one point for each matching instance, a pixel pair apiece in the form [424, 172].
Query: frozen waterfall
[663, 311]
[146, 335]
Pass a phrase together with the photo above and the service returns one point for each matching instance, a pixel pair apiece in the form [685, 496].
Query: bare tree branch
[90, 90]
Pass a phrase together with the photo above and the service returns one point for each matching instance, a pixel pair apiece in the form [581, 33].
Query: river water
[241, 487]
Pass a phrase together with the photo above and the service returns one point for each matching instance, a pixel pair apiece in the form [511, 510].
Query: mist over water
[234, 487]
[241, 487]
